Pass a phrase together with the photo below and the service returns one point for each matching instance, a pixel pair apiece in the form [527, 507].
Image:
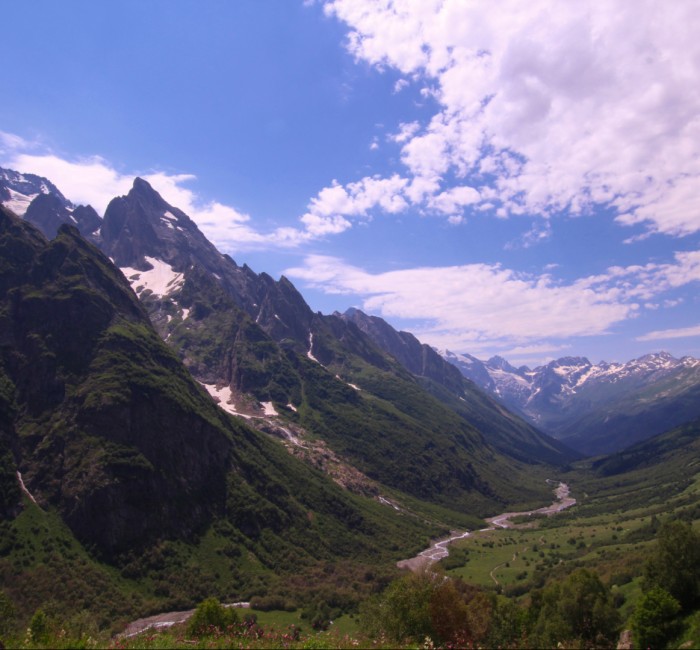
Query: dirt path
[439, 549]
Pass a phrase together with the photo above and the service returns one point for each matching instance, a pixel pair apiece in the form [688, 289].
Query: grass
[614, 544]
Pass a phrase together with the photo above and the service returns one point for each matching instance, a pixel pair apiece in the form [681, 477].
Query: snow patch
[24, 488]
[386, 502]
[347, 383]
[291, 407]
[161, 280]
[19, 202]
[269, 408]
[311, 347]
[223, 396]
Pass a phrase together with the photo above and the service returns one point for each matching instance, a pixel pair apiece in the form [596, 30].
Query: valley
[440, 549]
[176, 428]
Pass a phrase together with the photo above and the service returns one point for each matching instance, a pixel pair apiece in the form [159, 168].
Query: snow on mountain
[161, 280]
[572, 399]
[17, 190]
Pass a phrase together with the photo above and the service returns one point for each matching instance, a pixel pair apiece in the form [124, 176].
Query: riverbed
[439, 549]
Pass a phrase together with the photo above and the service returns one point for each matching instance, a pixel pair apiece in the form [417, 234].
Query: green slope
[139, 477]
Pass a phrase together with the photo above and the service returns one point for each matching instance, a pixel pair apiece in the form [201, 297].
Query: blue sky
[522, 181]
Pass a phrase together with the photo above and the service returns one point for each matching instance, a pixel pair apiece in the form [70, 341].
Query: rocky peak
[17, 190]
[499, 363]
[48, 213]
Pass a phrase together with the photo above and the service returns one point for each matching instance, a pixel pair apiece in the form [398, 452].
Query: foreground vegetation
[576, 580]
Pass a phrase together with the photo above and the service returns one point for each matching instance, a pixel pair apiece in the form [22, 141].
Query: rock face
[108, 427]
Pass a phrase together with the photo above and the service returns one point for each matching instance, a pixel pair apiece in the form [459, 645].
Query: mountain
[40, 202]
[111, 455]
[508, 433]
[595, 409]
[258, 348]
[17, 190]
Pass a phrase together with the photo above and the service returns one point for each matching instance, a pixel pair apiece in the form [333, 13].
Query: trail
[439, 550]
[498, 566]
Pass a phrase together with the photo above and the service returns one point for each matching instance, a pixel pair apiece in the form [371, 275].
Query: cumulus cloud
[328, 210]
[549, 107]
[475, 305]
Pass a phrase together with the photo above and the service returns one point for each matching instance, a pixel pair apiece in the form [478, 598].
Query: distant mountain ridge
[594, 408]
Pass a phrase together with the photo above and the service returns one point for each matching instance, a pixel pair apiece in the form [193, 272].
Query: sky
[510, 178]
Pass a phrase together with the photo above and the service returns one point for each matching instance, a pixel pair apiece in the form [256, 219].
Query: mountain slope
[253, 337]
[508, 433]
[111, 436]
[675, 452]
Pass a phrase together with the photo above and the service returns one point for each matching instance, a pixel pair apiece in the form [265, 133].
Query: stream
[438, 550]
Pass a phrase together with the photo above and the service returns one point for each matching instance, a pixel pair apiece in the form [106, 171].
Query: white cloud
[682, 332]
[474, 306]
[87, 181]
[400, 85]
[10, 142]
[328, 210]
[567, 105]
[454, 199]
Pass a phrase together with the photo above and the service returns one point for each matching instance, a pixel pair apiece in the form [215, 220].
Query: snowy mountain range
[593, 408]
[315, 382]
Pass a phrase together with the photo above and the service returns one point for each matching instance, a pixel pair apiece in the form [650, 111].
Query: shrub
[39, 626]
[675, 563]
[654, 620]
[7, 613]
[209, 617]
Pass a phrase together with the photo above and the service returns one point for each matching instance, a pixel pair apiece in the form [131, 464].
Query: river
[438, 550]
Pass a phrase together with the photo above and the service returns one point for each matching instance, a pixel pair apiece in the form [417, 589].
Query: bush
[209, 617]
[675, 563]
[39, 627]
[654, 620]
